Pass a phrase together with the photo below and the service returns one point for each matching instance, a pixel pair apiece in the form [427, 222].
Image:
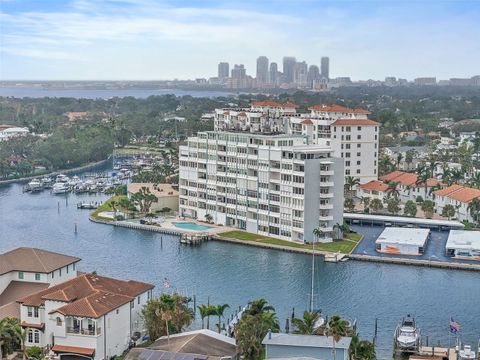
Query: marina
[358, 289]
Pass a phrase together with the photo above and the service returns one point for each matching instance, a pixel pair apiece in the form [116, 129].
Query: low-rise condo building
[459, 197]
[89, 316]
[274, 185]
[349, 132]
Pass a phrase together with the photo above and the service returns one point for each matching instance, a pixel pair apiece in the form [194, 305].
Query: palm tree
[349, 204]
[21, 334]
[475, 180]
[306, 325]
[392, 190]
[474, 209]
[208, 218]
[350, 183]
[362, 350]
[318, 232]
[204, 312]
[423, 174]
[219, 310]
[259, 306]
[5, 335]
[337, 328]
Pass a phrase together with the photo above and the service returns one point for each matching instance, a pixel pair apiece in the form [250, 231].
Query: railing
[81, 331]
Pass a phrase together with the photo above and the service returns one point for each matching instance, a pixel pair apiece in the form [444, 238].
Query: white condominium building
[274, 185]
[349, 132]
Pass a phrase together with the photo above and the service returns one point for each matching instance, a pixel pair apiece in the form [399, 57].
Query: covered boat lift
[401, 221]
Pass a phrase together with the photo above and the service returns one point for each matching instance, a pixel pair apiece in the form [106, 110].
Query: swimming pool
[191, 226]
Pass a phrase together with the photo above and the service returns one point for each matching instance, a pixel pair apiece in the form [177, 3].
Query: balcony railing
[82, 331]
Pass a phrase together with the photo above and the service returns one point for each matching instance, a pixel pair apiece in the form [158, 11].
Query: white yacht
[35, 185]
[60, 188]
[466, 353]
[407, 336]
[61, 178]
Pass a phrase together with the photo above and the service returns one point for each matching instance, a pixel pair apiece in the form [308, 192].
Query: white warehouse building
[463, 243]
[402, 241]
[273, 185]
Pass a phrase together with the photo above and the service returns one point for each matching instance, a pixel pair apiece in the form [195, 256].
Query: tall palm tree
[219, 310]
[204, 312]
[474, 209]
[337, 328]
[259, 306]
[306, 325]
[392, 190]
[318, 232]
[21, 334]
[350, 183]
[5, 335]
[423, 174]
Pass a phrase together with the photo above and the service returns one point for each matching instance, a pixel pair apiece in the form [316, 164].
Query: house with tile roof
[459, 196]
[408, 187]
[89, 316]
[374, 189]
[26, 270]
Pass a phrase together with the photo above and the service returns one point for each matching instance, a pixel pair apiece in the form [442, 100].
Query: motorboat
[60, 188]
[61, 178]
[407, 335]
[466, 353]
[35, 185]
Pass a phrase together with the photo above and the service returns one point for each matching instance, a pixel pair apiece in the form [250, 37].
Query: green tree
[349, 204]
[449, 211]
[376, 205]
[393, 205]
[144, 199]
[474, 209]
[205, 312]
[218, 311]
[208, 218]
[306, 324]
[21, 334]
[337, 328]
[365, 202]
[410, 208]
[167, 314]
[428, 208]
[350, 183]
[362, 350]
[392, 190]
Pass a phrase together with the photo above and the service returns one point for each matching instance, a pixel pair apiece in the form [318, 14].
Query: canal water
[233, 274]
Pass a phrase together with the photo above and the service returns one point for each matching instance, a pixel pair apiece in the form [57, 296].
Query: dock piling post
[58, 207]
[75, 228]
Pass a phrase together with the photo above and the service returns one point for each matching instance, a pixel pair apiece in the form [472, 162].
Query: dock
[417, 262]
[194, 239]
[429, 352]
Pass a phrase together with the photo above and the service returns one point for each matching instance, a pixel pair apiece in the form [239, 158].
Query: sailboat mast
[313, 276]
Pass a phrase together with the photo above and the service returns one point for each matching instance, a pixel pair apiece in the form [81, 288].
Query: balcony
[326, 206]
[327, 172]
[327, 183]
[325, 218]
[326, 195]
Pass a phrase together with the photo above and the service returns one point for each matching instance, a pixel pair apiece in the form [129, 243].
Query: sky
[166, 39]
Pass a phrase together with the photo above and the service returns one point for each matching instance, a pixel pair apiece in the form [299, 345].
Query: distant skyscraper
[289, 68]
[262, 70]
[273, 73]
[300, 74]
[223, 70]
[313, 75]
[238, 72]
[325, 67]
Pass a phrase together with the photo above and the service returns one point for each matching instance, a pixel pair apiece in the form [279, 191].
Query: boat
[87, 205]
[35, 185]
[407, 336]
[60, 188]
[466, 353]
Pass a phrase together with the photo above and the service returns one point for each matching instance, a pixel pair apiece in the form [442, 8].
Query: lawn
[344, 246]
[106, 206]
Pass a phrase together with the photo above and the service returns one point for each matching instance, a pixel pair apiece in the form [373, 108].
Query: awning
[33, 326]
[73, 350]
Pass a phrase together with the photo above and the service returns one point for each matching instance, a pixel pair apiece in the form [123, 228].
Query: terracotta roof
[89, 295]
[356, 122]
[242, 113]
[73, 350]
[270, 103]
[34, 326]
[459, 193]
[407, 179]
[374, 185]
[14, 291]
[33, 260]
[338, 109]
[307, 122]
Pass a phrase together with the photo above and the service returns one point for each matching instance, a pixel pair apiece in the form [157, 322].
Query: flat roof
[403, 236]
[316, 341]
[463, 239]
[404, 220]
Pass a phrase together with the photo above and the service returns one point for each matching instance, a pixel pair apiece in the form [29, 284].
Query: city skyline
[153, 40]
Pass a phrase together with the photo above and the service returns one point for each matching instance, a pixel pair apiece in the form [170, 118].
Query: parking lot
[435, 249]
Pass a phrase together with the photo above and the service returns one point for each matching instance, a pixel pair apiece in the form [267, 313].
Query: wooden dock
[417, 262]
[435, 352]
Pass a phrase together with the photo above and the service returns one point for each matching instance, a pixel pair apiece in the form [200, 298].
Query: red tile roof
[14, 291]
[307, 122]
[33, 326]
[356, 122]
[33, 260]
[89, 295]
[407, 179]
[270, 103]
[459, 193]
[337, 109]
[73, 350]
[374, 185]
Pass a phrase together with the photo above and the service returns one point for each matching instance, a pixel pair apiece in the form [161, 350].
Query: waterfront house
[293, 346]
[191, 345]
[373, 189]
[459, 197]
[166, 194]
[25, 270]
[89, 316]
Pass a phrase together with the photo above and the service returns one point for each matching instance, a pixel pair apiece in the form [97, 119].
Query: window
[138, 299]
[60, 272]
[348, 137]
[359, 128]
[29, 311]
[36, 337]
[359, 154]
[35, 312]
[358, 162]
[20, 275]
[37, 276]
[53, 274]
[358, 171]
[73, 266]
[59, 321]
[118, 311]
[359, 137]
[347, 163]
[67, 268]
[359, 146]
[30, 336]
[347, 155]
[132, 304]
[347, 172]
